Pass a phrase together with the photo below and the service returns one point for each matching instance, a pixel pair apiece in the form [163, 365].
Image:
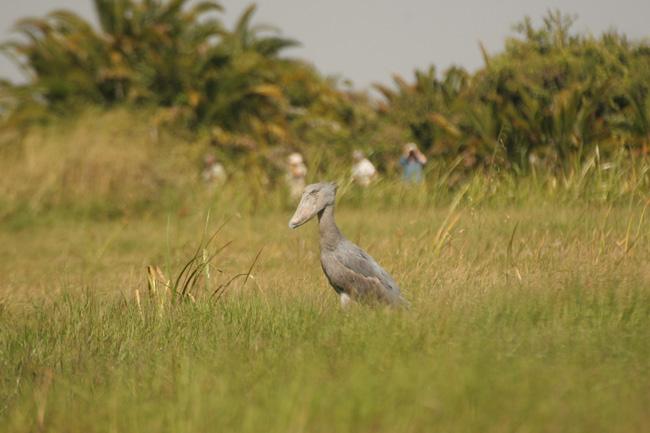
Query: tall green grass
[531, 317]
[542, 362]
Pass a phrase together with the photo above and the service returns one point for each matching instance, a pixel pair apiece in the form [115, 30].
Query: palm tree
[140, 52]
[166, 53]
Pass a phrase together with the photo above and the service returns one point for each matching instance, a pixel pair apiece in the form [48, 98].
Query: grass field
[527, 318]
[525, 254]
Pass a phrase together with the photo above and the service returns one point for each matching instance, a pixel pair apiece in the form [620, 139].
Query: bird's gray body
[350, 270]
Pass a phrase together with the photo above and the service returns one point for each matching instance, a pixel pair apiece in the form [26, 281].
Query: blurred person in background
[363, 172]
[412, 162]
[296, 175]
[213, 172]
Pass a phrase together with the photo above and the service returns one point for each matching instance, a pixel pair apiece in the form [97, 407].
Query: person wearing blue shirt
[412, 162]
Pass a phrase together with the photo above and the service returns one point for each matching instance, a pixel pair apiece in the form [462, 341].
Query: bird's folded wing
[363, 272]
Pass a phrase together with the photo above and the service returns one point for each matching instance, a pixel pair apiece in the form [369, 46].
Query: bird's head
[315, 198]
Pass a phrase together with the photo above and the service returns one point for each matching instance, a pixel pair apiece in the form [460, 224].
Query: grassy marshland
[525, 318]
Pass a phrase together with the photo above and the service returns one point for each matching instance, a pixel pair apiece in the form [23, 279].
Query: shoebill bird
[352, 273]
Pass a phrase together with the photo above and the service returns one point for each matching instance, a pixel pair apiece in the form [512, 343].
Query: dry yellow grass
[530, 301]
[99, 157]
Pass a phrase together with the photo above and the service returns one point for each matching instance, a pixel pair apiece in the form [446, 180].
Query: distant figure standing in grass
[363, 172]
[412, 162]
[296, 175]
[213, 171]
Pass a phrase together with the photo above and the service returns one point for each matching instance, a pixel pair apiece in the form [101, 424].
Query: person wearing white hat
[296, 175]
[363, 172]
[213, 171]
[412, 162]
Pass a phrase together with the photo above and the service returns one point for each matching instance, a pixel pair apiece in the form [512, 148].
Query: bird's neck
[330, 235]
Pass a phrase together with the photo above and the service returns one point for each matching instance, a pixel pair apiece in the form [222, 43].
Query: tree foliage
[171, 54]
[551, 96]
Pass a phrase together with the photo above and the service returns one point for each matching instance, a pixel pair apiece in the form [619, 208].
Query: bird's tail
[403, 302]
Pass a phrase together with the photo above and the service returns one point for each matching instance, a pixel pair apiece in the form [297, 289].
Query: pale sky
[367, 40]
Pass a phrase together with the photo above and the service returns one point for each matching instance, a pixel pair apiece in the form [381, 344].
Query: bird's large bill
[306, 210]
